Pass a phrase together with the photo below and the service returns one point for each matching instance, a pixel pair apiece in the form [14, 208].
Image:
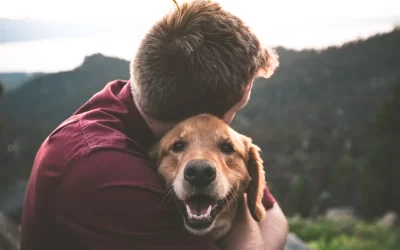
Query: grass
[324, 234]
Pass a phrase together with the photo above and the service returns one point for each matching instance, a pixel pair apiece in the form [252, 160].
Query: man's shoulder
[81, 139]
[113, 168]
[108, 120]
[78, 135]
[106, 132]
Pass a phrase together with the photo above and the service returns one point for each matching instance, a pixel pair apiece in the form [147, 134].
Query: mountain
[334, 91]
[312, 118]
[315, 117]
[52, 97]
[13, 80]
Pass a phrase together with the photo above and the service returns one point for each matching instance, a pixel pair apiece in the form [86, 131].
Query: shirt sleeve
[268, 199]
[114, 200]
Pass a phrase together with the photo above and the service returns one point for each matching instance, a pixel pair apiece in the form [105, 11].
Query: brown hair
[197, 59]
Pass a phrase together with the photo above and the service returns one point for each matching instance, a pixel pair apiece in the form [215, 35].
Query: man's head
[198, 59]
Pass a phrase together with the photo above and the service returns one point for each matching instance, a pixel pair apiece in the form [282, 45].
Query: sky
[290, 23]
[283, 21]
[251, 10]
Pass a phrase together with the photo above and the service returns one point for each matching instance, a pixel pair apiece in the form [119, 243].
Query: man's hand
[269, 234]
[274, 229]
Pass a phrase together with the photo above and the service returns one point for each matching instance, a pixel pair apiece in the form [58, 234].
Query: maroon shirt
[93, 186]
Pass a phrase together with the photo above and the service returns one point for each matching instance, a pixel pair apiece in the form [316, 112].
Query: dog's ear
[255, 190]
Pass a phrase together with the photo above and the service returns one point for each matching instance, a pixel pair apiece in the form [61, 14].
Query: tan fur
[255, 190]
[241, 172]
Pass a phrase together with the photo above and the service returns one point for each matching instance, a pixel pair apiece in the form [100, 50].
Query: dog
[208, 168]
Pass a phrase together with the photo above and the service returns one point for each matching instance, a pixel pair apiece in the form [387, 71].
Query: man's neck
[159, 128]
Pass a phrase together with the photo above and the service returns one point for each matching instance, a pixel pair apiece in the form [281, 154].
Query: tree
[1, 94]
[381, 173]
[301, 197]
[342, 183]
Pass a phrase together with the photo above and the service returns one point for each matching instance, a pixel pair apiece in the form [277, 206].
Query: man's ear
[269, 62]
[255, 190]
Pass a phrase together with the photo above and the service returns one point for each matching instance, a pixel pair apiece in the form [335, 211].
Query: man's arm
[114, 200]
[269, 234]
[274, 228]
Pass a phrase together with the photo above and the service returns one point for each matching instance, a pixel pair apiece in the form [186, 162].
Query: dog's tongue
[200, 204]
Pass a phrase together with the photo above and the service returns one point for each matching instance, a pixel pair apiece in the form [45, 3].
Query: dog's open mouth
[200, 210]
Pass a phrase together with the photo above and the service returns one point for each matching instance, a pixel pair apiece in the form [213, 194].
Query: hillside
[58, 95]
[309, 118]
[318, 101]
[13, 80]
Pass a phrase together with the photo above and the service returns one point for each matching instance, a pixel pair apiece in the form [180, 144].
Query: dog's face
[208, 166]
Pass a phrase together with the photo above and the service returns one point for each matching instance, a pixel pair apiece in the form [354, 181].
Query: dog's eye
[178, 147]
[227, 148]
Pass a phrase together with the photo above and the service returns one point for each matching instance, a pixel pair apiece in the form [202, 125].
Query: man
[93, 186]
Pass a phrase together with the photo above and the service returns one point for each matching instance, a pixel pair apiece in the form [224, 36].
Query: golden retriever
[208, 168]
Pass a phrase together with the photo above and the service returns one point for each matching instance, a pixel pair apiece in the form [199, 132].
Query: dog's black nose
[199, 172]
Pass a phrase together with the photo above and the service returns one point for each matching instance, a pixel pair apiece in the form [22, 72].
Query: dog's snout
[200, 173]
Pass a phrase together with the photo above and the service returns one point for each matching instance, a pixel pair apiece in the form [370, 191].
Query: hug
[151, 162]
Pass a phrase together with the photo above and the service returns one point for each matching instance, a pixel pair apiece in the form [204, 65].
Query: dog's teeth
[188, 209]
[190, 214]
[208, 211]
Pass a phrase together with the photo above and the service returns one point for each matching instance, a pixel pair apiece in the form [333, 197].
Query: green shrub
[323, 234]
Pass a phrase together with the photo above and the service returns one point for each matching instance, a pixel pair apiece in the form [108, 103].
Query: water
[61, 54]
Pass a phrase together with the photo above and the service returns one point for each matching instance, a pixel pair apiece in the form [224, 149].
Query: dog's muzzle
[201, 207]
[200, 173]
